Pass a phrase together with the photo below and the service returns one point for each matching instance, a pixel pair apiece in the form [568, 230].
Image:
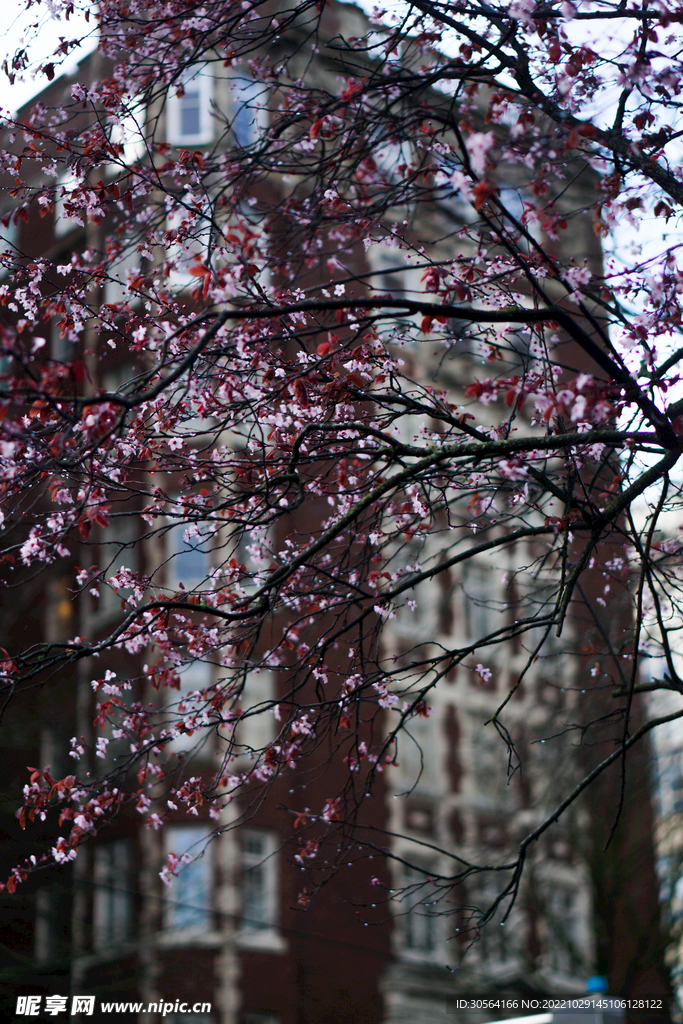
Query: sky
[19, 26]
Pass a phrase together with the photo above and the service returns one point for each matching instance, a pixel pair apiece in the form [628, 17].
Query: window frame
[199, 81]
[119, 547]
[267, 859]
[178, 914]
[246, 116]
[65, 223]
[427, 923]
[113, 894]
[199, 545]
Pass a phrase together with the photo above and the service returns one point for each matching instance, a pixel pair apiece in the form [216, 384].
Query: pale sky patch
[37, 28]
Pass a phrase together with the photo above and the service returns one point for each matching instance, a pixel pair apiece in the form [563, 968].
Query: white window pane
[118, 549]
[9, 241]
[129, 134]
[113, 878]
[255, 897]
[481, 613]
[189, 556]
[563, 931]
[187, 240]
[190, 899]
[246, 109]
[418, 753]
[420, 931]
[257, 729]
[190, 113]
[119, 272]
[66, 222]
[189, 120]
[259, 879]
[497, 941]
[419, 923]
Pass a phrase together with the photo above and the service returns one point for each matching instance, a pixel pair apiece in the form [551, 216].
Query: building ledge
[107, 954]
[193, 937]
[261, 940]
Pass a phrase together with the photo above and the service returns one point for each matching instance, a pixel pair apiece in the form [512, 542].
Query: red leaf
[482, 192]
[300, 393]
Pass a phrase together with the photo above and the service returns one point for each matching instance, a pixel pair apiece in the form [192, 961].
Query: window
[538, 599]
[462, 339]
[259, 880]
[563, 920]
[61, 346]
[255, 551]
[515, 201]
[189, 902]
[46, 926]
[188, 565]
[417, 610]
[256, 731]
[392, 275]
[488, 765]
[130, 135]
[189, 115]
[392, 157]
[64, 192]
[417, 756]
[194, 675]
[482, 614]
[416, 617]
[246, 113]
[118, 273]
[187, 240]
[188, 556]
[419, 921]
[118, 549]
[113, 907]
[9, 242]
[494, 943]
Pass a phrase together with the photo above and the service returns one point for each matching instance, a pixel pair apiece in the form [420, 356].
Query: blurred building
[231, 931]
